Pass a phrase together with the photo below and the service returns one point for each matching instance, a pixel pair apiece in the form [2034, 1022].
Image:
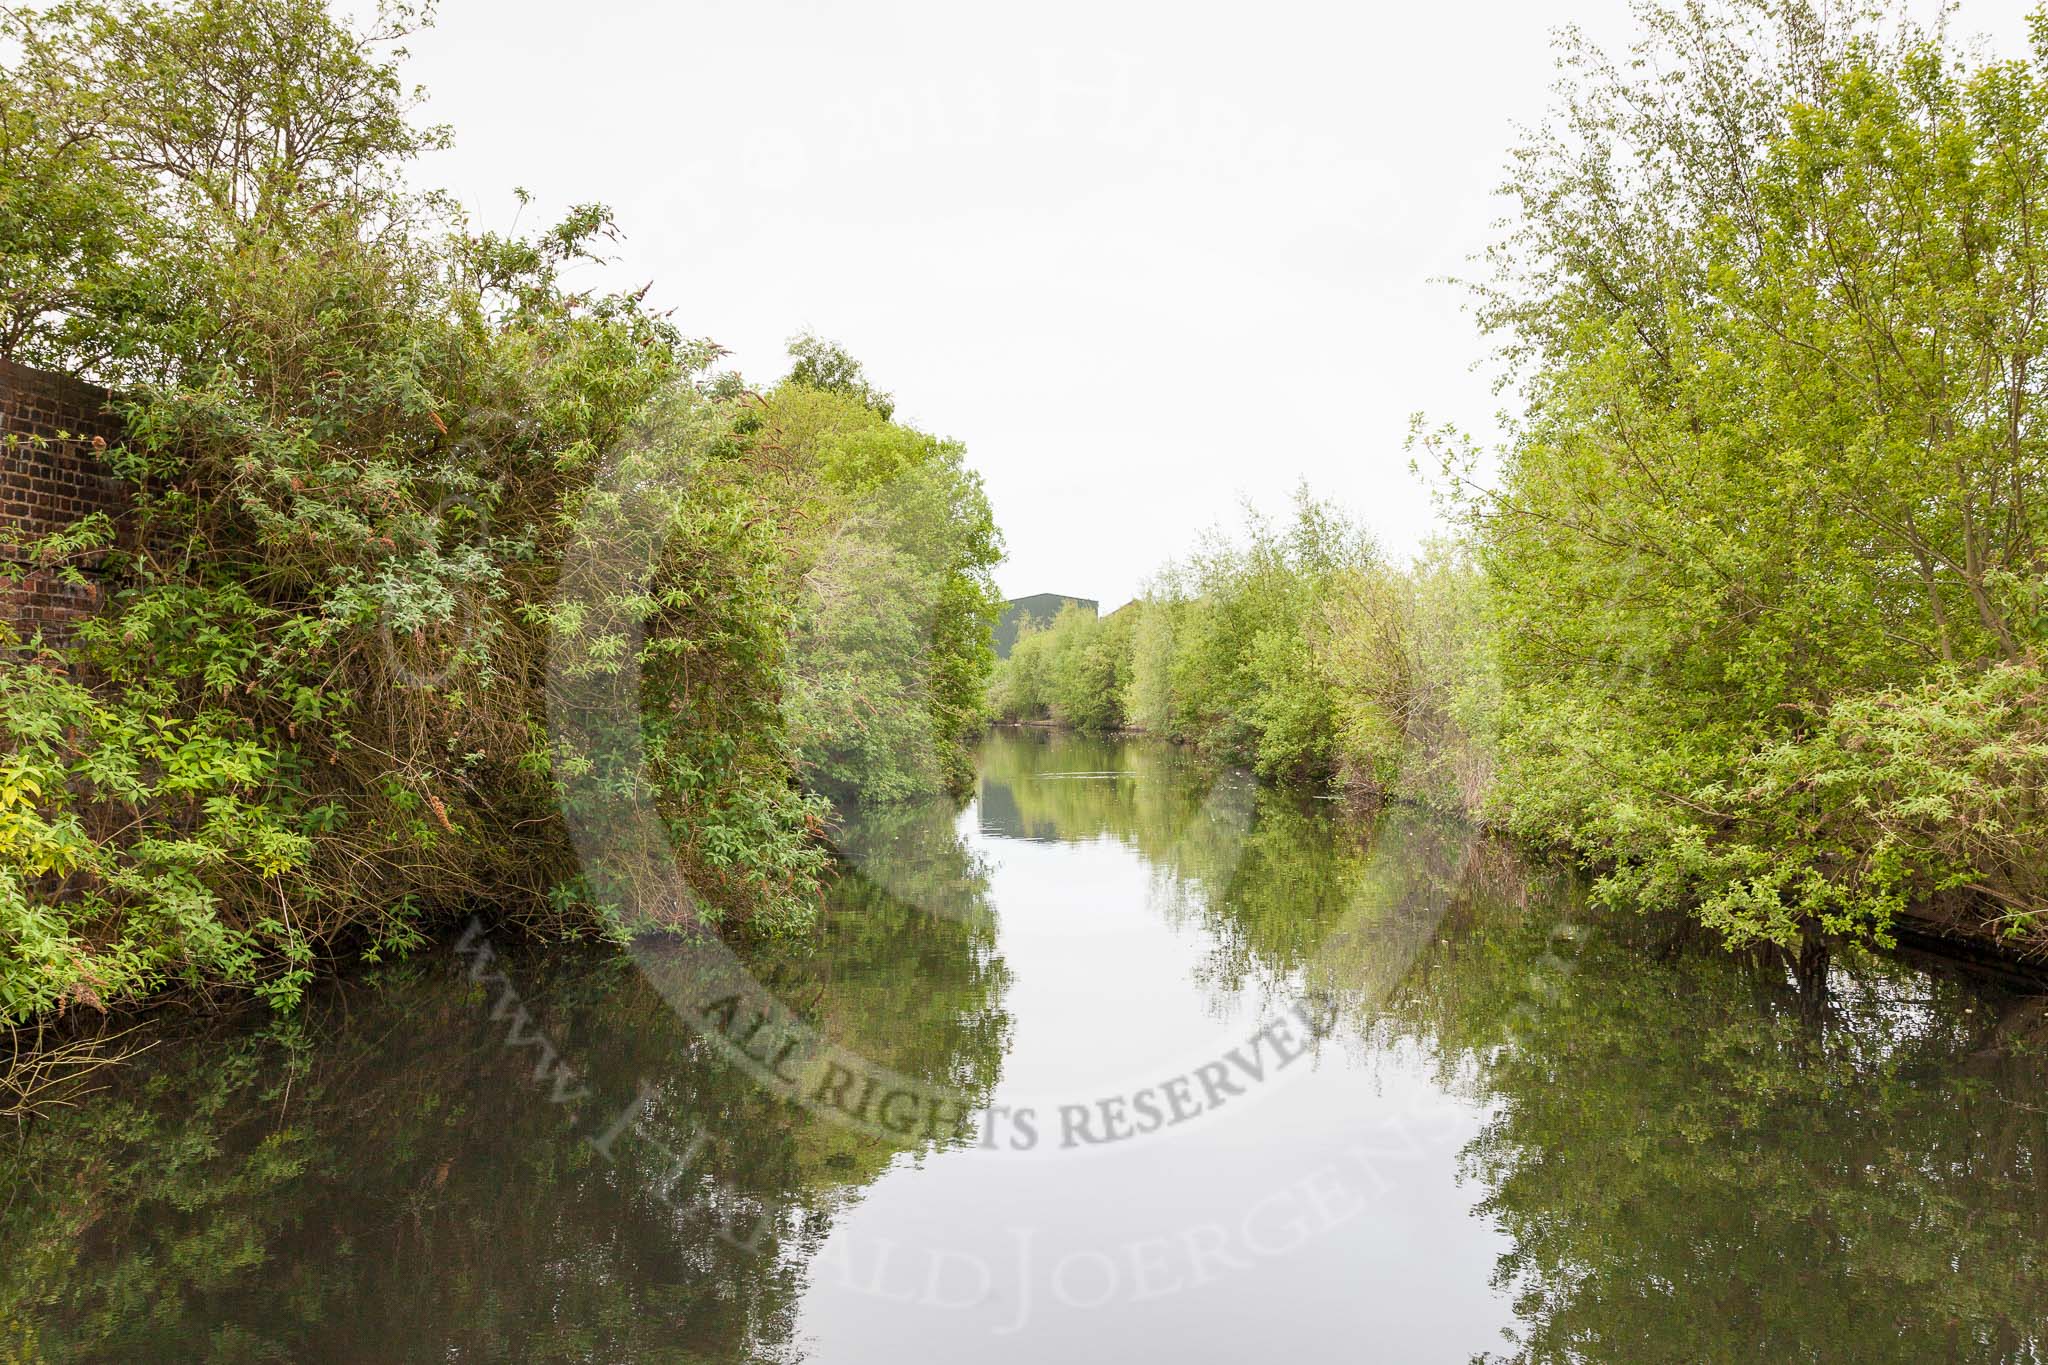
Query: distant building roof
[1039, 608]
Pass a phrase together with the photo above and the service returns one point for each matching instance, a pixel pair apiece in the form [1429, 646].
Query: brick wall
[52, 428]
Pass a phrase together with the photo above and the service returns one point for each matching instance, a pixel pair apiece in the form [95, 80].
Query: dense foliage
[1767, 549]
[1748, 612]
[1295, 648]
[366, 437]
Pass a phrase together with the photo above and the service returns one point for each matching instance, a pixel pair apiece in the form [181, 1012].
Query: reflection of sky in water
[1317, 1217]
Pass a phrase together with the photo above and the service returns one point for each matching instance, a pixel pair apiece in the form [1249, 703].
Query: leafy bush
[1774, 298]
[367, 441]
[143, 819]
[1223, 652]
[1409, 657]
[1073, 671]
[1922, 797]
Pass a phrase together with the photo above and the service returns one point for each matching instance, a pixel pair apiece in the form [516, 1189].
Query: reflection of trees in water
[1291, 895]
[1054, 785]
[1688, 1161]
[1694, 1155]
[382, 1179]
[1692, 1168]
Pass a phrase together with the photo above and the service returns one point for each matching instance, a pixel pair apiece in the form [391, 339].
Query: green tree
[367, 440]
[1774, 294]
[896, 542]
[825, 365]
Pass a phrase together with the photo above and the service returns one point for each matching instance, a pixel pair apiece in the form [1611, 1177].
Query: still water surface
[1251, 1082]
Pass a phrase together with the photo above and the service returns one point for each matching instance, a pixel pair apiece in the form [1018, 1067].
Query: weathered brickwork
[52, 430]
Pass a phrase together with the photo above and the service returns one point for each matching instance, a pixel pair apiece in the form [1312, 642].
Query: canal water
[1235, 1076]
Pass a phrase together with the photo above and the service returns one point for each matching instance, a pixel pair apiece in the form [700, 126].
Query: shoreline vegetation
[1746, 614]
[311, 722]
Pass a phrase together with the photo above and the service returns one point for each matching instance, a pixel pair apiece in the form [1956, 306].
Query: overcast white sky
[1145, 260]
